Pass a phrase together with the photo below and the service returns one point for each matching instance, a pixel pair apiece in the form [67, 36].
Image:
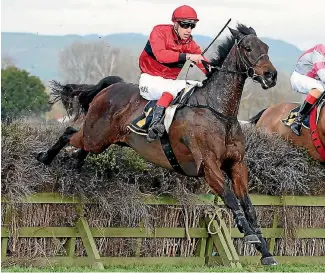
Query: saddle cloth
[141, 124]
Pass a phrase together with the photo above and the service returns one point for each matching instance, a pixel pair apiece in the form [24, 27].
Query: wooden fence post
[200, 250]
[274, 225]
[70, 246]
[226, 233]
[224, 245]
[139, 241]
[88, 239]
[4, 240]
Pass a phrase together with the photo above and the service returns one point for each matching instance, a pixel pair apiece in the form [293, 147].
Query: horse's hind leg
[215, 177]
[80, 155]
[239, 175]
[48, 156]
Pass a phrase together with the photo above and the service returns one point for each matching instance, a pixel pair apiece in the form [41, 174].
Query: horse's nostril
[268, 75]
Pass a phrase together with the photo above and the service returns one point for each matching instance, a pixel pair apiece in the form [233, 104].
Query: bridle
[250, 73]
[249, 67]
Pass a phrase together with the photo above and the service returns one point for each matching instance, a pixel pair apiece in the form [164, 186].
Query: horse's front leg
[239, 175]
[215, 178]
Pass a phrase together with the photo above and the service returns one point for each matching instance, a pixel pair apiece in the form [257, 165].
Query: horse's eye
[248, 48]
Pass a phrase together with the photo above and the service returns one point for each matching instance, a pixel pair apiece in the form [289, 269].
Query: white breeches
[303, 84]
[152, 87]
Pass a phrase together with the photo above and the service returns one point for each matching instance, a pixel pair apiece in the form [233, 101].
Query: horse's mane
[224, 48]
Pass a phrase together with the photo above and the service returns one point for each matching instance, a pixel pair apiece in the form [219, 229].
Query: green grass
[168, 268]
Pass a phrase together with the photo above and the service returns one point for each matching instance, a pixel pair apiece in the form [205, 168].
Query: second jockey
[308, 78]
[168, 48]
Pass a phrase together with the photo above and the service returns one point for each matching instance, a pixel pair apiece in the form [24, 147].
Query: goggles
[186, 25]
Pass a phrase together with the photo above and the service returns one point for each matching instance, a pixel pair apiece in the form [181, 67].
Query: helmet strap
[176, 31]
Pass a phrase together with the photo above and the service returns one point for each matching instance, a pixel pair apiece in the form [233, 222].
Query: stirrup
[151, 138]
[296, 128]
[152, 135]
[159, 128]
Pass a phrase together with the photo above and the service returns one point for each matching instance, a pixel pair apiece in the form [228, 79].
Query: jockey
[168, 48]
[308, 78]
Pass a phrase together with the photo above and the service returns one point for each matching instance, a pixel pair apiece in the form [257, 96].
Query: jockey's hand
[197, 58]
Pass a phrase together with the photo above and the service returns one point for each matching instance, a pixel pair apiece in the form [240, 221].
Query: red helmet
[184, 13]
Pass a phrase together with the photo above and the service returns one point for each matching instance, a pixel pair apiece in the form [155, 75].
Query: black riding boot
[304, 110]
[156, 128]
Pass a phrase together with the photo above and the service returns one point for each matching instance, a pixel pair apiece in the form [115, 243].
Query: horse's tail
[67, 94]
[77, 97]
[256, 118]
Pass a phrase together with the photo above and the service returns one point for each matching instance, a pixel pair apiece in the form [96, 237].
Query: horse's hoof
[43, 158]
[252, 239]
[269, 261]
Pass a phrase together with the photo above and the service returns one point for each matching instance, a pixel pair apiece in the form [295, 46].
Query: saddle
[141, 124]
[189, 71]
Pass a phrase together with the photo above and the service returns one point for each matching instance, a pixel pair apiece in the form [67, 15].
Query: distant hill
[38, 54]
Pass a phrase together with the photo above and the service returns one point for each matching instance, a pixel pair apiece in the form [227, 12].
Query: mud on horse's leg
[239, 175]
[215, 177]
[48, 156]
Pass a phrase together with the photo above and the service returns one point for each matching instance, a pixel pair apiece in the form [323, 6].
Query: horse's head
[253, 56]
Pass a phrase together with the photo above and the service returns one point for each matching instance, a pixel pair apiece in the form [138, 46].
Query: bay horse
[269, 120]
[205, 135]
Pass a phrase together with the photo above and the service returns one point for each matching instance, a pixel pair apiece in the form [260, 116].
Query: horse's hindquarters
[109, 114]
[271, 122]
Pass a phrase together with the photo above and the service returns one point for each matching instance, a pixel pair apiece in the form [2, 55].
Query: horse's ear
[252, 31]
[235, 33]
